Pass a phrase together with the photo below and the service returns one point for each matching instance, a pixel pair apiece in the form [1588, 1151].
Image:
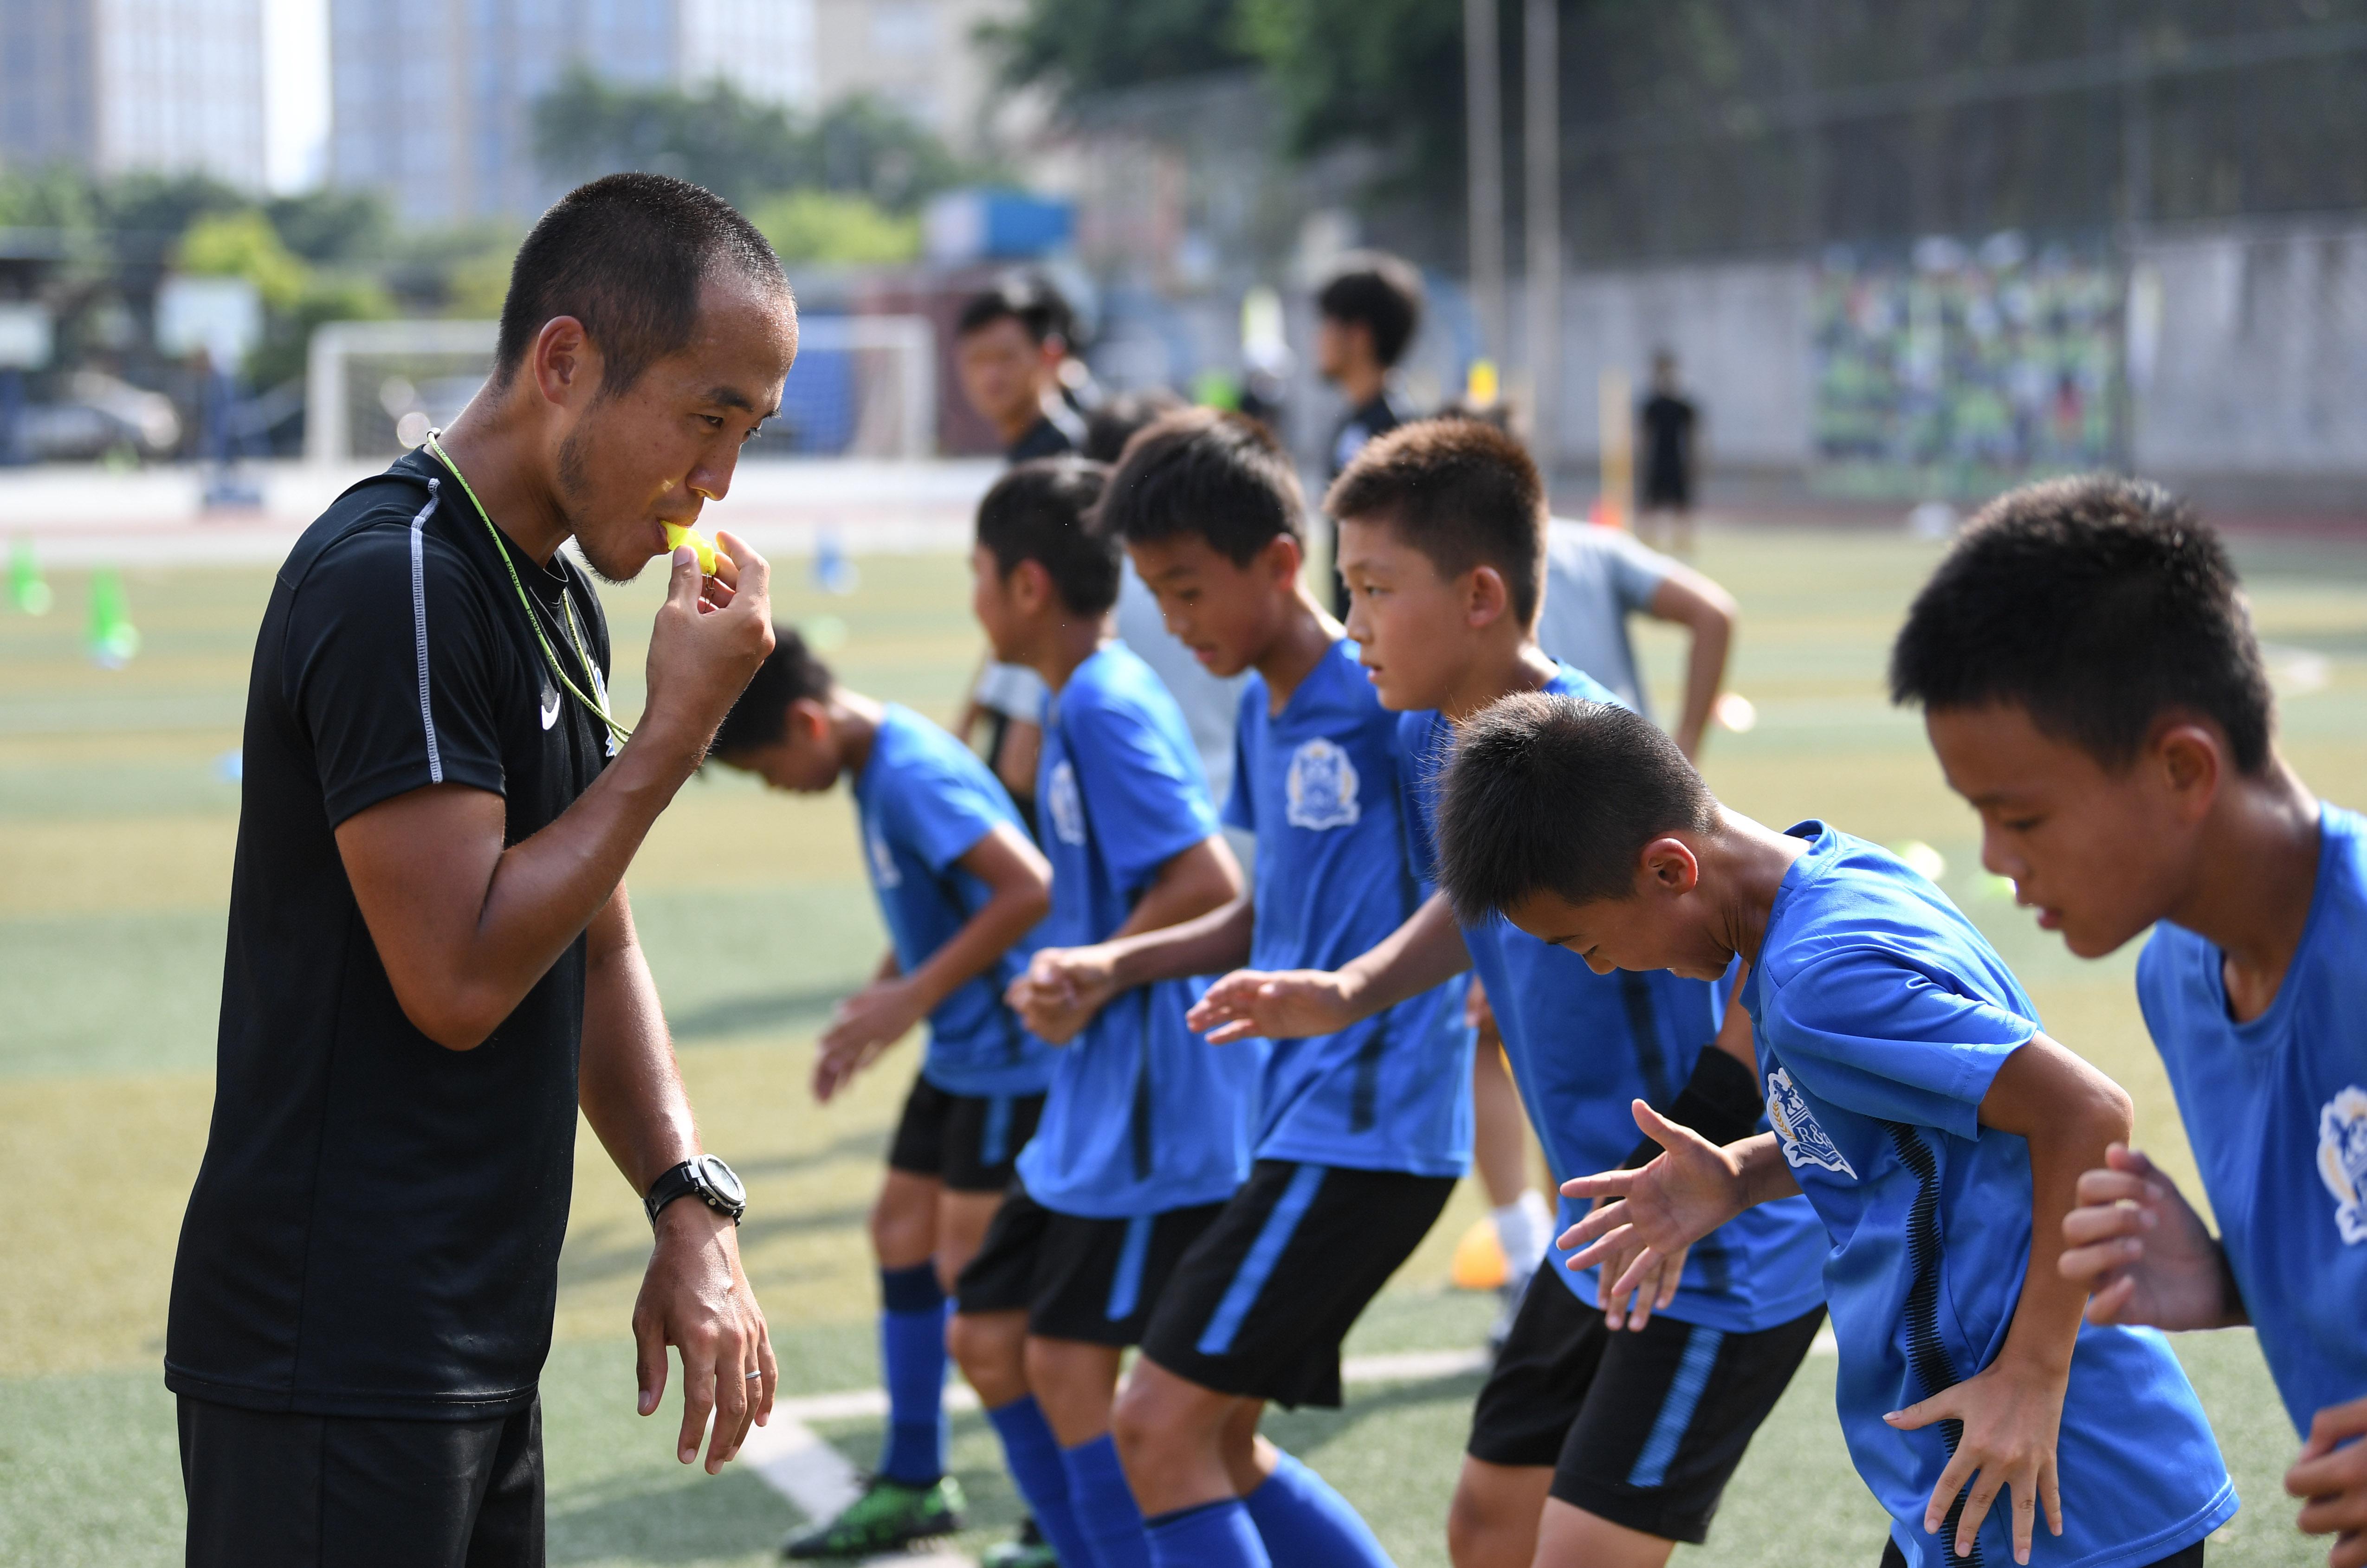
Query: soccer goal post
[864, 387]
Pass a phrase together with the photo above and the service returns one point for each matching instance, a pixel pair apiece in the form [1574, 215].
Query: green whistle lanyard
[534, 614]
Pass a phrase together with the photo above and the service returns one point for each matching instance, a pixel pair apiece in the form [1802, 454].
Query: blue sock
[1104, 1504]
[1308, 1525]
[1214, 1535]
[912, 1353]
[1034, 1456]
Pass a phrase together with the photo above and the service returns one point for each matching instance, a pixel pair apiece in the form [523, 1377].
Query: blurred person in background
[1670, 425]
[1367, 314]
[1010, 343]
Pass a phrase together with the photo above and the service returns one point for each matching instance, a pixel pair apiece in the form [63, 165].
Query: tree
[1079, 47]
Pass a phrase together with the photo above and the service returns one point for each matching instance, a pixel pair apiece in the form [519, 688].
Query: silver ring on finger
[753, 1376]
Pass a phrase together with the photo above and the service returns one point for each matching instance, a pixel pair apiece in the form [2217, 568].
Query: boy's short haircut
[1382, 292]
[1463, 493]
[1554, 795]
[1109, 427]
[1036, 305]
[790, 673]
[1039, 512]
[1222, 476]
[2096, 605]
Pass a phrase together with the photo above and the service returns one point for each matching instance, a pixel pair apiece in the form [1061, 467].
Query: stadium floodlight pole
[1483, 94]
[1541, 47]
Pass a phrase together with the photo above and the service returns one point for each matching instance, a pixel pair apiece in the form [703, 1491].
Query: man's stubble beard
[574, 502]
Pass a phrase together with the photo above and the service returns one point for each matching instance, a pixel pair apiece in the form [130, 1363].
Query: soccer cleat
[1028, 1549]
[888, 1515]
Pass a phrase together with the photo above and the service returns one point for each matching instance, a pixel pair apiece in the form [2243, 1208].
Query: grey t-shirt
[1596, 578]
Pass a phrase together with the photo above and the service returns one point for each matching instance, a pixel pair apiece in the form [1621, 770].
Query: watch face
[724, 1180]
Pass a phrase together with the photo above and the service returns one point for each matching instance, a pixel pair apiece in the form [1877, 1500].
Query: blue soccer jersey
[1584, 1046]
[923, 801]
[1142, 1115]
[1881, 1017]
[2276, 1110]
[1318, 784]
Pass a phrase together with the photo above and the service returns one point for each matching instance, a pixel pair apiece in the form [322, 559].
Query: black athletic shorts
[1642, 1426]
[1076, 1278]
[967, 1141]
[271, 1490]
[2186, 1557]
[1259, 1305]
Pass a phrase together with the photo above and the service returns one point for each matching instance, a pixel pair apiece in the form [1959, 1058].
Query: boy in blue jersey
[1145, 1131]
[1938, 1132]
[2092, 686]
[1442, 534]
[959, 884]
[1362, 1134]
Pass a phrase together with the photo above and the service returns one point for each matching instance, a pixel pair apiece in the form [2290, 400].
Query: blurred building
[117, 86]
[916, 55]
[433, 105]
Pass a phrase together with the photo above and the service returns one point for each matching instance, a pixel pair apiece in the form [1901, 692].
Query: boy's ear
[2191, 760]
[1030, 587]
[1283, 557]
[1667, 864]
[1487, 599]
[808, 721]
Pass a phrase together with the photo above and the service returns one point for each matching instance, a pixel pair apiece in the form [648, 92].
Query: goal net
[864, 387]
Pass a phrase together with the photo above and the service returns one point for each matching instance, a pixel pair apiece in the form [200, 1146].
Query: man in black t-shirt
[431, 963]
[1669, 420]
[1009, 343]
[1366, 314]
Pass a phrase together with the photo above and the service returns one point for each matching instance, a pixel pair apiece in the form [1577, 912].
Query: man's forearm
[1210, 944]
[1426, 951]
[627, 1082]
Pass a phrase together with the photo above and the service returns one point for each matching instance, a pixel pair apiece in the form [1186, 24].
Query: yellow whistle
[677, 535]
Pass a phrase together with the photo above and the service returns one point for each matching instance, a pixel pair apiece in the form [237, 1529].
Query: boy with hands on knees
[959, 885]
[1363, 1132]
[1145, 1131]
[1939, 1133]
[2092, 686]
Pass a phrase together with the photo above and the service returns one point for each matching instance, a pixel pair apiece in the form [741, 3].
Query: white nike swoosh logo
[549, 708]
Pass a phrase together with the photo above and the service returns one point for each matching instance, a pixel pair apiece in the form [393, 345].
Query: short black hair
[1380, 290]
[2096, 604]
[1553, 794]
[1034, 303]
[1109, 427]
[626, 255]
[1463, 493]
[790, 673]
[1222, 476]
[1040, 512]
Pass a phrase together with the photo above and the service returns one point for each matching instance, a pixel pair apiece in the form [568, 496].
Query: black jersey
[375, 1230]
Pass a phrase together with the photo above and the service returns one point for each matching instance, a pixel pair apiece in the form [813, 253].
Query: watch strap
[681, 1181]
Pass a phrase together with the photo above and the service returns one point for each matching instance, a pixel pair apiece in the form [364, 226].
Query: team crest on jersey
[1803, 1143]
[1321, 786]
[1067, 807]
[2342, 1159]
[883, 862]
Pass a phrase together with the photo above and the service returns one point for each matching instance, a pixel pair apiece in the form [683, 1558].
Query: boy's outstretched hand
[1657, 1212]
[2012, 1414]
[2142, 1254]
[1287, 1004]
[861, 1030]
[2334, 1478]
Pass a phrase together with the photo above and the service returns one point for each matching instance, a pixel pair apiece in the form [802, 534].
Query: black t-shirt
[375, 1230]
[1668, 424]
[1047, 438]
[1358, 426]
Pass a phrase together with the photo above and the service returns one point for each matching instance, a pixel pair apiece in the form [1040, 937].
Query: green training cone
[26, 589]
[114, 640]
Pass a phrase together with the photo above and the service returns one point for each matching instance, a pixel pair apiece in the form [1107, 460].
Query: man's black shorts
[968, 1141]
[1259, 1305]
[1642, 1426]
[271, 1490]
[1076, 1278]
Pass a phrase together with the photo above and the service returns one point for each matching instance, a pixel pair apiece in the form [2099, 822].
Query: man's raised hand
[2144, 1255]
[1287, 1004]
[709, 635]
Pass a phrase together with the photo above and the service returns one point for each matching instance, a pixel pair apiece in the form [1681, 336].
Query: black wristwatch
[707, 1178]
